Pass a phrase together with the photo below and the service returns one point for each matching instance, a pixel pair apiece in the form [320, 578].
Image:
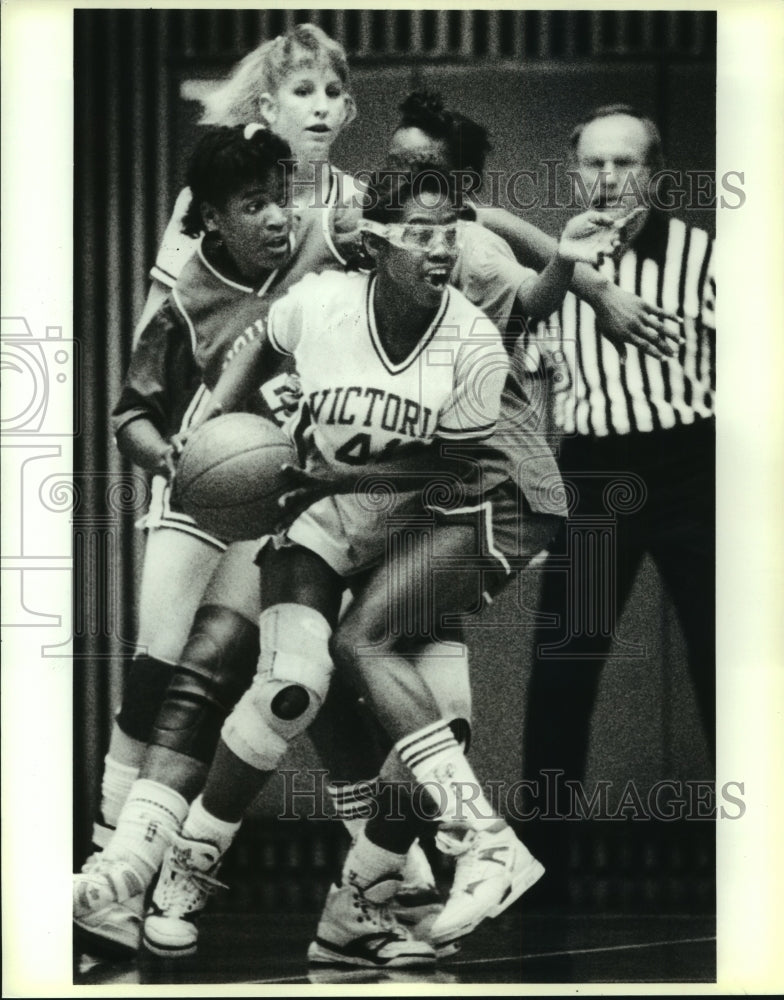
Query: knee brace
[217, 665]
[443, 666]
[289, 687]
[145, 689]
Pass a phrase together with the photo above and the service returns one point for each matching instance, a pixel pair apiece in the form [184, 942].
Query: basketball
[229, 475]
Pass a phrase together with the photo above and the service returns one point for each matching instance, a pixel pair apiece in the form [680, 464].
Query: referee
[637, 453]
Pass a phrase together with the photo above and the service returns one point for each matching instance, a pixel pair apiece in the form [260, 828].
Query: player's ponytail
[262, 71]
[467, 142]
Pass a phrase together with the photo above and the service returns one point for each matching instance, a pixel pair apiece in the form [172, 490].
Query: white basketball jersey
[364, 405]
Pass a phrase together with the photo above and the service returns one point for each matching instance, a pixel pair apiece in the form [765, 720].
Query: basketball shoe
[108, 903]
[357, 927]
[186, 881]
[491, 872]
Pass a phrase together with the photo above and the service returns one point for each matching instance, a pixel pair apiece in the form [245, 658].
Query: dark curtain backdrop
[526, 74]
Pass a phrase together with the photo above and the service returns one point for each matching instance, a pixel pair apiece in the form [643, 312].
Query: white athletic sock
[101, 836]
[353, 803]
[152, 812]
[202, 825]
[438, 764]
[116, 784]
[366, 863]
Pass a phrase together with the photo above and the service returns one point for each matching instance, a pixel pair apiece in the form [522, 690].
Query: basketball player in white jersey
[298, 82]
[391, 363]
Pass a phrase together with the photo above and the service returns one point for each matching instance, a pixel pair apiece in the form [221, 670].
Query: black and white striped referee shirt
[670, 264]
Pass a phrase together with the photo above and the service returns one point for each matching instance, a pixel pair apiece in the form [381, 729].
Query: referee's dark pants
[646, 492]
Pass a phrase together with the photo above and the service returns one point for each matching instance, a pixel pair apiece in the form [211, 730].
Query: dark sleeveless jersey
[324, 230]
[202, 324]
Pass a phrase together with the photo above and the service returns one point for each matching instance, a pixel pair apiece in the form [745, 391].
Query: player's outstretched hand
[625, 318]
[589, 237]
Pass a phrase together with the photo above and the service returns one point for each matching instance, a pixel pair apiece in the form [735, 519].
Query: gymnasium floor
[635, 904]
[517, 947]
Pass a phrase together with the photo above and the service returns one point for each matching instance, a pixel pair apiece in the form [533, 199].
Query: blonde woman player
[297, 85]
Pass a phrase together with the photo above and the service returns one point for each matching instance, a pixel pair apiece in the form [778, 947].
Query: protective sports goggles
[418, 236]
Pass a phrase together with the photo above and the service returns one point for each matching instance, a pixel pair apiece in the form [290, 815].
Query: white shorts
[350, 531]
[162, 513]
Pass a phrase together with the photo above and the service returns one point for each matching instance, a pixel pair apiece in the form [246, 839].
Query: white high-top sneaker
[357, 928]
[184, 885]
[108, 902]
[492, 871]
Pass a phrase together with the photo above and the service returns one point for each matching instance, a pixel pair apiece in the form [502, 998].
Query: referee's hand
[624, 318]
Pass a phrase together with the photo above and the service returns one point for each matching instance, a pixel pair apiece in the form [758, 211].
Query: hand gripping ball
[229, 475]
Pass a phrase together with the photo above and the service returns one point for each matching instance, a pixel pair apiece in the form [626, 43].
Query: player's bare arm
[622, 316]
[141, 442]
[243, 374]
[587, 238]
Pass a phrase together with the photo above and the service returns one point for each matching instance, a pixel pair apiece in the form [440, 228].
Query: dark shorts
[508, 532]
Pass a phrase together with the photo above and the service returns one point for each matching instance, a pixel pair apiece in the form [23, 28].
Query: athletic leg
[108, 896]
[300, 602]
[176, 568]
[405, 602]
[216, 665]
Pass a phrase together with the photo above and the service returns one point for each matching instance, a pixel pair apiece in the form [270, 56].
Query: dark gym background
[527, 75]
